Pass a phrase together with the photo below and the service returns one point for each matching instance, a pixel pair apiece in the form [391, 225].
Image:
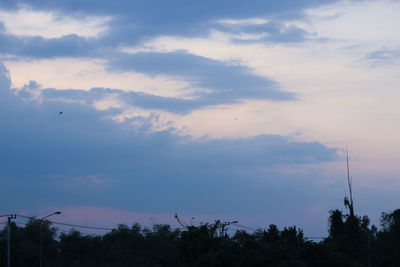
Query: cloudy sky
[233, 110]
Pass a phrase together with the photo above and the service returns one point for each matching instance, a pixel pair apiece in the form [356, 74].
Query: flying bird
[59, 113]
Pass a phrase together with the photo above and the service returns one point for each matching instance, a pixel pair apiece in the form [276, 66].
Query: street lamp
[41, 222]
[10, 216]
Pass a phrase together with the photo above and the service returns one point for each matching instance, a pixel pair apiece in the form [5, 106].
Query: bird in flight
[59, 113]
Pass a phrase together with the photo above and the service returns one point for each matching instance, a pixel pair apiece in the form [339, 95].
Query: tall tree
[348, 201]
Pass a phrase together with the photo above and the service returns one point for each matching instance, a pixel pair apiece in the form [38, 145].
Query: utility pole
[10, 216]
[9, 242]
[40, 244]
[223, 225]
[369, 249]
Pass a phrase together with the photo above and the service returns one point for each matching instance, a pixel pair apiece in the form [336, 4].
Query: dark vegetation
[351, 242]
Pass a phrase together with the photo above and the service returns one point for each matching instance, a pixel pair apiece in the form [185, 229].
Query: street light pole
[369, 248]
[10, 216]
[9, 242]
[40, 230]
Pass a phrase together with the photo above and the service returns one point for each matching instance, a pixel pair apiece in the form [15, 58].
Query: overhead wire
[244, 227]
[110, 229]
[252, 229]
[83, 226]
[70, 224]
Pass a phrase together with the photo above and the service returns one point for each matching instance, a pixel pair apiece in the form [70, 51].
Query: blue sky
[230, 110]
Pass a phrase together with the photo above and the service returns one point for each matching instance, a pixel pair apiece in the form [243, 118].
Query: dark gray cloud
[45, 158]
[229, 82]
[275, 31]
[171, 17]
[39, 47]
[226, 82]
[132, 23]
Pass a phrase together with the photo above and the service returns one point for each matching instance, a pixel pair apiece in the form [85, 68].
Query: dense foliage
[351, 242]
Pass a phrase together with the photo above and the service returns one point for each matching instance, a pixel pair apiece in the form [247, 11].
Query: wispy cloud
[244, 22]
[26, 21]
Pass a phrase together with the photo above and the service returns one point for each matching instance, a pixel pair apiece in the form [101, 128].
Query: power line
[70, 224]
[110, 229]
[83, 226]
[181, 228]
[252, 229]
[244, 227]
[20, 223]
[6, 215]
[56, 229]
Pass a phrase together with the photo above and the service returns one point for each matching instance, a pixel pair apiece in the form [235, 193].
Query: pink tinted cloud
[93, 179]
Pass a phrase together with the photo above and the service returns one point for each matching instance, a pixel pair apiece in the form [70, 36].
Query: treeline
[351, 242]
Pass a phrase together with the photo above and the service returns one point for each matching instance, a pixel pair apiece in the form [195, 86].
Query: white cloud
[28, 22]
[111, 101]
[360, 21]
[249, 36]
[243, 22]
[154, 120]
[80, 73]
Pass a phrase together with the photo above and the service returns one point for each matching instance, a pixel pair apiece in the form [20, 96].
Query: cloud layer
[216, 108]
[81, 158]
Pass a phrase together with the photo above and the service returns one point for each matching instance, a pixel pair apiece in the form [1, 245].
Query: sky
[230, 110]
